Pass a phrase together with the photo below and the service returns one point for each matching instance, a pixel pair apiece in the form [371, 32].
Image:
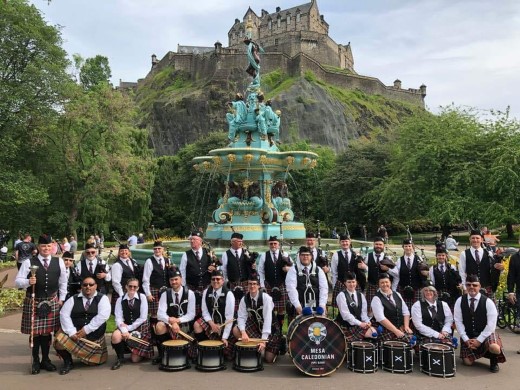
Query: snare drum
[437, 359]
[397, 357]
[362, 357]
[247, 357]
[316, 345]
[175, 356]
[210, 356]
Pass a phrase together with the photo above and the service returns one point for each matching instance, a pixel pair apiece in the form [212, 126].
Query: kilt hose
[42, 325]
[483, 350]
[88, 354]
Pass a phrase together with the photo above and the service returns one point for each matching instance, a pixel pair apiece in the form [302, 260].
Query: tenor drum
[437, 359]
[247, 357]
[210, 356]
[397, 357]
[316, 345]
[175, 356]
[362, 357]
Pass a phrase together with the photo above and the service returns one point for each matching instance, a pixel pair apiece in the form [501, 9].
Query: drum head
[396, 344]
[362, 345]
[248, 345]
[175, 343]
[316, 345]
[211, 343]
[436, 347]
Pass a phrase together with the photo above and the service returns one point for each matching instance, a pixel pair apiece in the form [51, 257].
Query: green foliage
[95, 71]
[11, 299]
[310, 76]
[7, 264]
[275, 82]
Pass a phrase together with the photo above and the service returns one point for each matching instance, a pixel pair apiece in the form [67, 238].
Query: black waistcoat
[274, 274]
[436, 323]
[85, 273]
[197, 271]
[174, 310]
[218, 312]
[237, 269]
[392, 313]
[353, 308]
[47, 281]
[301, 285]
[482, 270]
[409, 277]
[474, 323]
[159, 276]
[80, 317]
[131, 314]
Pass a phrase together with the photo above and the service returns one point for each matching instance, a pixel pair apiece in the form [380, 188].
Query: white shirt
[143, 314]
[379, 311]
[228, 314]
[261, 265]
[147, 272]
[345, 312]
[426, 330]
[22, 281]
[117, 274]
[267, 314]
[491, 318]
[95, 262]
[224, 260]
[334, 264]
[163, 306]
[291, 282]
[101, 317]
[462, 262]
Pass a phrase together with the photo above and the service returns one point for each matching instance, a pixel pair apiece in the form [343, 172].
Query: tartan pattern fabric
[46, 325]
[371, 293]
[279, 304]
[409, 301]
[338, 288]
[275, 338]
[154, 305]
[390, 336]
[426, 340]
[91, 356]
[245, 289]
[354, 333]
[137, 348]
[197, 290]
[483, 350]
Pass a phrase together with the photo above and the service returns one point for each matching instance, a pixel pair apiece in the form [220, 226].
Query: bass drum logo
[317, 332]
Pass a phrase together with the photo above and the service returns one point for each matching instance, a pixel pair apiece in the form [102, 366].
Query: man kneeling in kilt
[218, 308]
[255, 320]
[476, 319]
[83, 320]
[45, 279]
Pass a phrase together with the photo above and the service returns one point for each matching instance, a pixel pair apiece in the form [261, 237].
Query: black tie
[236, 255]
[176, 298]
[378, 257]
[442, 268]
[477, 257]
[352, 296]
[433, 310]
[389, 296]
[305, 271]
[197, 256]
[87, 304]
[409, 263]
[253, 304]
[131, 303]
[472, 305]
[90, 267]
[45, 264]
[274, 257]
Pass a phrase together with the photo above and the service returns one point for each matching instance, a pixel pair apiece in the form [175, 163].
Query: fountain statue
[255, 198]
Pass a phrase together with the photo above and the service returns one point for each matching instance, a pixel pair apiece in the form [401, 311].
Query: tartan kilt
[275, 338]
[154, 305]
[338, 289]
[279, 304]
[46, 325]
[390, 336]
[483, 350]
[197, 290]
[354, 333]
[409, 301]
[245, 289]
[137, 348]
[91, 356]
[371, 293]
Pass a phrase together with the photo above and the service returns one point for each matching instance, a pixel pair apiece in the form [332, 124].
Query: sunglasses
[472, 284]
[90, 252]
[131, 286]
[88, 284]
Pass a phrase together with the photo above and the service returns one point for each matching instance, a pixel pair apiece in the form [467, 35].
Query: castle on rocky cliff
[295, 41]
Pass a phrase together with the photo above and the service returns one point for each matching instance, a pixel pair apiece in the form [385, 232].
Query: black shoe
[157, 360]
[47, 365]
[67, 366]
[493, 366]
[35, 369]
[283, 346]
[117, 364]
[518, 352]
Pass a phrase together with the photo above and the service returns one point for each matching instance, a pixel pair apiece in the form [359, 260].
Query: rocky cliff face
[178, 111]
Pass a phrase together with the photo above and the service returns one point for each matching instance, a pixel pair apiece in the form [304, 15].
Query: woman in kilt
[83, 320]
[133, 329]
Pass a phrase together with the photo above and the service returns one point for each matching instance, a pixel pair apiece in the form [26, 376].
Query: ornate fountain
[254, 198]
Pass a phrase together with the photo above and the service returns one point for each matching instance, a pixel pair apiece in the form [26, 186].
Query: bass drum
[317, 345]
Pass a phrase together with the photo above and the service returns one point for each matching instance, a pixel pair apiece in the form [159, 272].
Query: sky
[467, 52]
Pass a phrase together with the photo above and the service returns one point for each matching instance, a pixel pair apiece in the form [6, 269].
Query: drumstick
[186, 336]
[255, 340]
[227, 322]
[90, 343]
[138, 340]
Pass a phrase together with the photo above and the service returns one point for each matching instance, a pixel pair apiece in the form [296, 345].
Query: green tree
[33, 80]
[94, 71]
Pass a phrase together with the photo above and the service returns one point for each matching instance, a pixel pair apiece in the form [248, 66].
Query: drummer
[255, 320]
[352, 306]
[131, 316]
[432, 318]
[445, 278]
[390, 311]
[307, 285]
[73, 278]
[175, 313]
[218, 308]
